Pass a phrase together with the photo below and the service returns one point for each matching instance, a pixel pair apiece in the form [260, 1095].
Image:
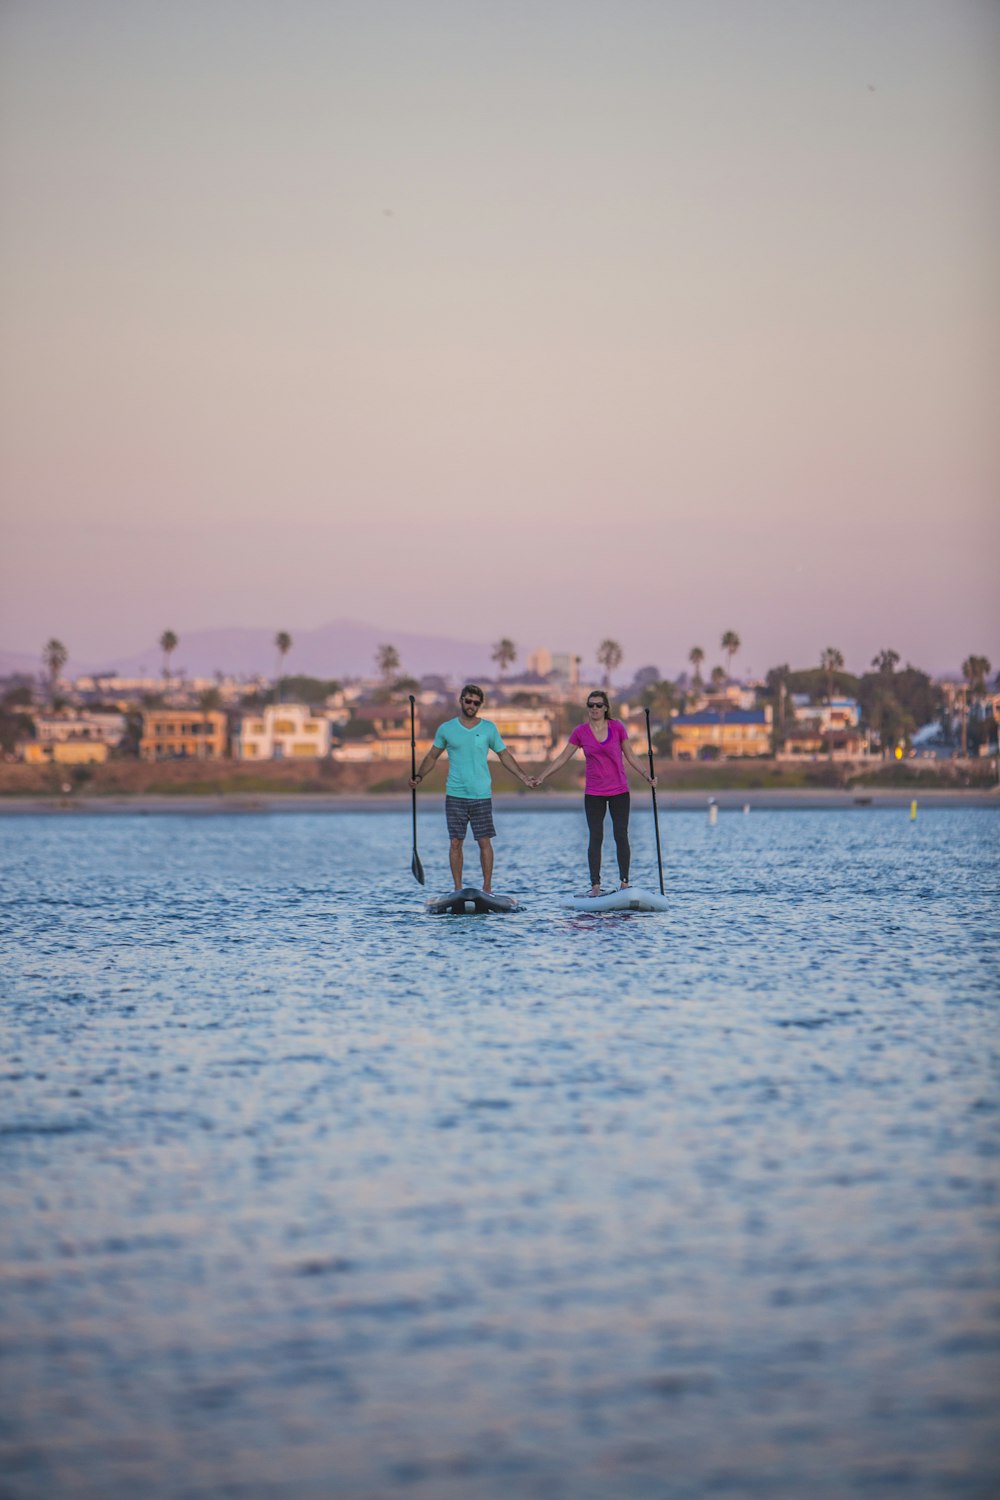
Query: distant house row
[285, 731]
[294, 731]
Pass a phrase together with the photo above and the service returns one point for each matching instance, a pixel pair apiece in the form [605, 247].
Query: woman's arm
[565, 754]
[508, 759]
[636, 765]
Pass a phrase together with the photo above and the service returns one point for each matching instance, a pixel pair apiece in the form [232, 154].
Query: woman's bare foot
[595, 890]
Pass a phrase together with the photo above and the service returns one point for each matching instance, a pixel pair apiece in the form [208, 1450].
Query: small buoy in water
[913, 810]
[713, 811]
[746, 808]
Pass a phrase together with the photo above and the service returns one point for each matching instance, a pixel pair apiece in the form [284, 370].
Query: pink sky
[556, 322]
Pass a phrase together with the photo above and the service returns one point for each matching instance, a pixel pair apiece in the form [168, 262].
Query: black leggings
[595, 808]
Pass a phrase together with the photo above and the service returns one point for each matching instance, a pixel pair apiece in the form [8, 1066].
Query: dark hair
[473, 687]
[600, 693]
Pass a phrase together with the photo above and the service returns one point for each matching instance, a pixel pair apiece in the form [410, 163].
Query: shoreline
[506, 802]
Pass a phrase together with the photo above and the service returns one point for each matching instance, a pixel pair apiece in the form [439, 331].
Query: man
[468, 740]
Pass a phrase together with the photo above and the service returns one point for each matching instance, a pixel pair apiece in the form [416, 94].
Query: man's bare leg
[486, 857]
[455, 860]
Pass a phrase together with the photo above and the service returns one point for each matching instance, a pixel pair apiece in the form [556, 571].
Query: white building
[100, 728]
[283, 731]
[839, 713]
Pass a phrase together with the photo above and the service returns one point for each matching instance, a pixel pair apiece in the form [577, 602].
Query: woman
[604, 742]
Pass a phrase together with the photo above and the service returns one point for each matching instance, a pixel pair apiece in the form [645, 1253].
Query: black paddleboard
[470, 901]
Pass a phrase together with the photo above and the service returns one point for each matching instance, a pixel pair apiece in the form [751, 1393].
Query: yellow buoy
[913, 810]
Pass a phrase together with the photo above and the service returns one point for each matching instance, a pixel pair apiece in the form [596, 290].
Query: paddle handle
[413, 764]
[656, 816]
[416, 866]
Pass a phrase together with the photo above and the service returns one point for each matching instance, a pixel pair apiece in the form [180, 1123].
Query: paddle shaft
[415, 865]
[656, 816]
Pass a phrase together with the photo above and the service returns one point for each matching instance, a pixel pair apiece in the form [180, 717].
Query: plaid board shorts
[461, 811]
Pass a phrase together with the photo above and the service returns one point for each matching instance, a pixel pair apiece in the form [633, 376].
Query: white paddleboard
[633, 899]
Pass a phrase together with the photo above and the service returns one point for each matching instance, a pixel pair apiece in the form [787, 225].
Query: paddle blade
[417, 868]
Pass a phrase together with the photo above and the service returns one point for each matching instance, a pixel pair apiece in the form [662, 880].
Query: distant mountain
[344, 648]
[20, 663]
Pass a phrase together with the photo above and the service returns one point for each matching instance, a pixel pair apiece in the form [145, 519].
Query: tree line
[893, 701]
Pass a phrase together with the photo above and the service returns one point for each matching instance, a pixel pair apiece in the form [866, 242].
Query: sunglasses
[470, 698]
[595, 705]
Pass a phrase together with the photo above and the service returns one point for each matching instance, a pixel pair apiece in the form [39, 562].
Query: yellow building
[65, 752]
[369, 750]
[527, 732]
[736, 733]
[176, 733]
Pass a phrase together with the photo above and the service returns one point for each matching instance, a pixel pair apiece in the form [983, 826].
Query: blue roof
[731, 716]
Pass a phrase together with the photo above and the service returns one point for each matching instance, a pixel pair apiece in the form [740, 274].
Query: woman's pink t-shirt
[605, 770]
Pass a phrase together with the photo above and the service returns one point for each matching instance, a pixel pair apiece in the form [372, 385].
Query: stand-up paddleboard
[470, 901]
[632, 899]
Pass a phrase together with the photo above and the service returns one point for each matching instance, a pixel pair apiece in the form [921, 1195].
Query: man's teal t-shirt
[468, 772]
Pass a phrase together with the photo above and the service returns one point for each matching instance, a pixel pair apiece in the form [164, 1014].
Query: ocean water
[308, 1194]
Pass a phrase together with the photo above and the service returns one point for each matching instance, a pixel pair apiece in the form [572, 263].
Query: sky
[649, 319]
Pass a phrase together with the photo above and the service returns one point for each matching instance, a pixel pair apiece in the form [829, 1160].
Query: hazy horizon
[346, 649]
[561, 323]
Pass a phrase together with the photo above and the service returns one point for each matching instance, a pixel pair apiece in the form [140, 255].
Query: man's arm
[426, 764]
[507, 759]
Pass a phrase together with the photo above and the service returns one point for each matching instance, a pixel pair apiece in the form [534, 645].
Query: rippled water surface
[308, 1194]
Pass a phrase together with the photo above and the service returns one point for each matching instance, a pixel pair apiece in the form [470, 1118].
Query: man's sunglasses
[470, 698]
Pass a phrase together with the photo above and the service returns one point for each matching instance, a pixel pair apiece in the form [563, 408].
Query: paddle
[656, 818]
[415, 865]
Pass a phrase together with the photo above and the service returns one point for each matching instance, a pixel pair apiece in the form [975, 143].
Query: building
[810, 742]
[80, 726]
[180, 733]
[540, 662]
[527, 732]
[839, 713]
[283, 731]
[370, 749]
[711, 735]
[563, 666]
[64, 752]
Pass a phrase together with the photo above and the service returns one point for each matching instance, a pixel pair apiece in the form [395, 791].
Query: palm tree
[168, 645]
[282, 644]
[717, 680]
[730, 645]
[830, 662]
[885, 662]
[609, 656]
[696, 656]
[504, 654]
[660, 697]
[975, 670]
[387, 661]
[55, 657]
[208, 702]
